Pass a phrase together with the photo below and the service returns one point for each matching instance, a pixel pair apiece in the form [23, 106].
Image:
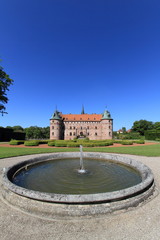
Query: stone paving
[141, 222]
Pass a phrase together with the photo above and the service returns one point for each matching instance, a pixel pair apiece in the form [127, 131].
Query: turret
[56, 126]
[107, 125]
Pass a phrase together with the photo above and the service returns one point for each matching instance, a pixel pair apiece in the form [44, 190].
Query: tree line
[33, 132]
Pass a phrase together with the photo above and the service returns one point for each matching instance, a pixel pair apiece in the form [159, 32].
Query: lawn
[144, 150]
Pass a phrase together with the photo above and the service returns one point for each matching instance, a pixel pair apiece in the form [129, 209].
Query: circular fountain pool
[63, 177]
[110, 182]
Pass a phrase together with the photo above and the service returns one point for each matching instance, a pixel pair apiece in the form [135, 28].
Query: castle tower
[56, 126]
[106, 126]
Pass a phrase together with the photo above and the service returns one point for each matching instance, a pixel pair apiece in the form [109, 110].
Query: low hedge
[139, 141]
[31, 143]
[126, 142]
[51, 143]
[16, 142]
[73, 144]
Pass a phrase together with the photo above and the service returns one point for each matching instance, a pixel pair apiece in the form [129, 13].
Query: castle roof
[82, 117]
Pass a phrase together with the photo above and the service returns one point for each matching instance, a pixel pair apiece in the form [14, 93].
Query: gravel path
[142, 222]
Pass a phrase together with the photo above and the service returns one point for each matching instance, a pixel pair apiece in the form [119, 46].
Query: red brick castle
[70, 126]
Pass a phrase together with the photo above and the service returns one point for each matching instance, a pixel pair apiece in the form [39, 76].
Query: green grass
[148, 150]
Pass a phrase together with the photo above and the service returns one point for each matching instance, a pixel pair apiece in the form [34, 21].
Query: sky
[67, 53]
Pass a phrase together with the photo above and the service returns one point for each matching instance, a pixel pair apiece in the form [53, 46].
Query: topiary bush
[31, 143]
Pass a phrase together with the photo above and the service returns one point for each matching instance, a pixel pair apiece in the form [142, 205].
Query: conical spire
[82, 110]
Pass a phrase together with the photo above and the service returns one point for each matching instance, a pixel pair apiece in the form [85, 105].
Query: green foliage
[5, 82]
[51, 143]
[35, 132]
[157, 125]
[31, 143]
[141, 141]
[84, 143]
[73, 144]
[125, 142]
[61, 143]
[152, 134]
[142, 125]
[16, 142]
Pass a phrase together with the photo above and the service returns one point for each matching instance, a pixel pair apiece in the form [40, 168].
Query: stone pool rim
[139, 189]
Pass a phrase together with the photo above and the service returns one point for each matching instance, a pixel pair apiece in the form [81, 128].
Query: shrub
[31, 143]
[139, 141]
[125, 142]
[88, 144]
[73, 144]
[152, 134]
[51, 143]
[16, 142]
[61, 143]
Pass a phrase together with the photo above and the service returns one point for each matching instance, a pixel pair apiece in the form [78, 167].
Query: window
[52, 133]
[88, 134]
[95, 134]
[81, 127]
[87, 127]
[52, 127]
[70, 134]
[74, 134]
[95, 127]
[70, 127]
[74, 128]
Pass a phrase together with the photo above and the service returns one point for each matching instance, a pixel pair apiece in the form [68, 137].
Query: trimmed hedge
[31, 143]
[16, 142]
[126, 142]
[63, 143]
[73, 144]
[51, 143]
[139, 141]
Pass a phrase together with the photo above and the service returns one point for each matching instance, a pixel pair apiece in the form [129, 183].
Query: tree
[124, 129]
[35, 132]
[5, 82]
[157, 125]
[142, 125]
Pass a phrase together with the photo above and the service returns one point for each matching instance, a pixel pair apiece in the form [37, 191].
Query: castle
[70, 126]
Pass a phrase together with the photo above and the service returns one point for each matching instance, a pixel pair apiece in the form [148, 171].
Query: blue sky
[66, 53]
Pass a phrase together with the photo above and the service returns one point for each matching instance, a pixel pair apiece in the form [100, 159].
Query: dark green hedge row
[152, 134]
[71, 143]
[16, 142]
[125, 142]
